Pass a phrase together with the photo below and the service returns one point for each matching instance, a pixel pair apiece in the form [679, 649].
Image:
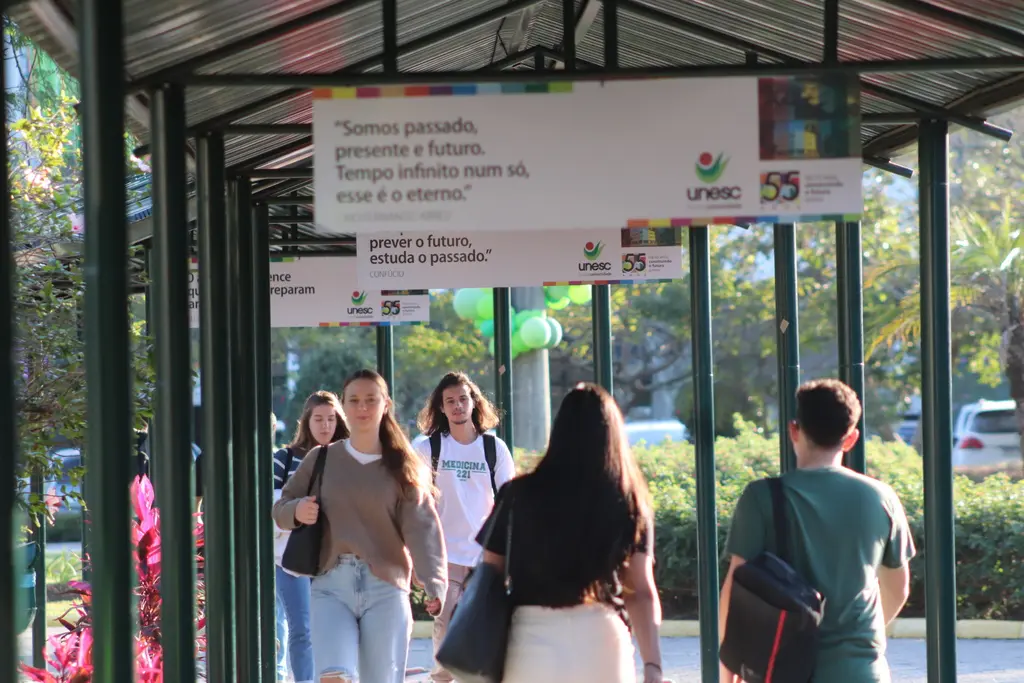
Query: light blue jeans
[361, 624]
[293, 632]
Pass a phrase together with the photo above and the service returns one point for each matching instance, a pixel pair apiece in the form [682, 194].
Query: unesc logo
[390, 308]
[357, 307]
[709, 169]
[592, 252]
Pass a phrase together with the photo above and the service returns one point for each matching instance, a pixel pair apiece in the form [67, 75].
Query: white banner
[323, 292]
[585, 155]
[514, 259]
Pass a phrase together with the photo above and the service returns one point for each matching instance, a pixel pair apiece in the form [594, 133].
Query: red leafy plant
[69, 654]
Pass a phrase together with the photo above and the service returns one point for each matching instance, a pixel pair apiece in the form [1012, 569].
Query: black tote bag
[302, 552]
[473, 649]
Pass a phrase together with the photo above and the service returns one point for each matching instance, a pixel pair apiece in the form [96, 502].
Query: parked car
[655, 432]
[986, 434]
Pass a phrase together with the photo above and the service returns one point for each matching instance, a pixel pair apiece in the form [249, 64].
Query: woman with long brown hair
[322, 422]
[581, 560]
[377, 502]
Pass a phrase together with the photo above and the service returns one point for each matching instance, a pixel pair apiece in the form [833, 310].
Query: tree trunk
[531, 385]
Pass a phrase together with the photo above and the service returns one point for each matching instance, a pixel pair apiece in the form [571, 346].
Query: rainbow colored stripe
[644, 281]
[372, 324]
[458, 90]
[739, 220]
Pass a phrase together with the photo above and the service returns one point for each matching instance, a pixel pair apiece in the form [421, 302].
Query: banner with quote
[514, 259]
[323, 292]
[585, 155]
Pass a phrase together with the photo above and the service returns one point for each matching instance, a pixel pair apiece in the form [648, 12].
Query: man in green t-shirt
[849, 537]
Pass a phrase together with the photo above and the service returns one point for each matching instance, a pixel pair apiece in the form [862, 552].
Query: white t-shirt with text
[464, 481]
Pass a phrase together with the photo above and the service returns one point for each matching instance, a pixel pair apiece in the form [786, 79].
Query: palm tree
[986, 292]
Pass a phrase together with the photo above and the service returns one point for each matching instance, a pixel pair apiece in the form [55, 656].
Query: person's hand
[307, 510]
[433, 606]
[653, 674]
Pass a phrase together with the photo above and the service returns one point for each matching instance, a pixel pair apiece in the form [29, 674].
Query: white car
[986, 435]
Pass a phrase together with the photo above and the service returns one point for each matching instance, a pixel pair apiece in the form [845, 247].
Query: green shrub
[989, 520]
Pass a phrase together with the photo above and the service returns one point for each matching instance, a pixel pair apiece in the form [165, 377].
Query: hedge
[989, 521]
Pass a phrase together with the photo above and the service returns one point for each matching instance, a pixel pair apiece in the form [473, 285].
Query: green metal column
[503, 363]
[39, 537]
[850, 295]
[171, 444]
[601, 304]
[936, 402]
[215, 357]
[264, 439]
[107, 349]
[386, 355]
[787, 331]
[8, 433]
[704, 439]
[243, 420]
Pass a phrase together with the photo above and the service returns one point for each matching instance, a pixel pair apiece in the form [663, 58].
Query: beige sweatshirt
[365, 514]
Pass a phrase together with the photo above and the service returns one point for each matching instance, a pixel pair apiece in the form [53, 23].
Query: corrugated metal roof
[651, 33]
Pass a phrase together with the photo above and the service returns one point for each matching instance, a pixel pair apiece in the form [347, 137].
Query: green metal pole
[601, 315]
[215, 356]
[936, 402]
[39, 624]
[850, 295]
[171, 444]
[386, 355]
[787, 330]
[107, 348]
[264, 439]
[8, 434]
[503, 363]
[704, 433]
[243, 417]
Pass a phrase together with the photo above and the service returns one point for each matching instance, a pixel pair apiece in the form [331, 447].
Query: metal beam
[268, 129]
[830, 53]
[279, 173]
[787, 335]
[503, 380]
[879, 66]
[888, 166]
[176, 71]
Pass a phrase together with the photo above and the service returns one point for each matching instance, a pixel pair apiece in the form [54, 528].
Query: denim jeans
[361, 624]
[293, 631]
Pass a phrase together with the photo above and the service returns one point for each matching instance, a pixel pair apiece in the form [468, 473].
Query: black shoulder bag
[302, 552]
[473, 649]
[771, 631]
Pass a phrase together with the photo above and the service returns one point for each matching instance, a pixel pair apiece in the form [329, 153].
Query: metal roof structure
[958, 60]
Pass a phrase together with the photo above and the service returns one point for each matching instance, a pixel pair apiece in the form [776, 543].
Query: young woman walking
[377, 500]
[322, 422]
[581, 559]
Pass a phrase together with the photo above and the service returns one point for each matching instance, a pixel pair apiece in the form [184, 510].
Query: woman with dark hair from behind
[322, 422]
[581, 560]
[380, 524]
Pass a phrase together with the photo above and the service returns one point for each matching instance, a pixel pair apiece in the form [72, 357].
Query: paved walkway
[979, 661]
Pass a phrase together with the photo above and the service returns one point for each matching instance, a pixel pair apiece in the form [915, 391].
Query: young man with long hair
[849, 537]
[469, 466]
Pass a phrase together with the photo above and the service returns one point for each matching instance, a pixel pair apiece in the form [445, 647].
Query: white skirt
[582, 644]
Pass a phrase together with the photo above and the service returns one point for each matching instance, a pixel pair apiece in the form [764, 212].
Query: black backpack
[490, 455]
[772, 627]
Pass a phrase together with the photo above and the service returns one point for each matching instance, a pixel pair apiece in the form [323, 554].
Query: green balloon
[556, 292]
[556, 332]
[485, 307]
[580, 294]
[486, 327]
[559, 305]
[465, 303]
[536, 333]
[490, 346]
[518, 344]
[521, 317]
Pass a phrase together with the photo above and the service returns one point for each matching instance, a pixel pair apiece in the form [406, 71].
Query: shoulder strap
[779, 517]
[318, 471]
[288, 463]
[435, 451]
[491, 455]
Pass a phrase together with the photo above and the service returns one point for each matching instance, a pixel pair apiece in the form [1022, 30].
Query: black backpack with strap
[772, 627]
[490, 455]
